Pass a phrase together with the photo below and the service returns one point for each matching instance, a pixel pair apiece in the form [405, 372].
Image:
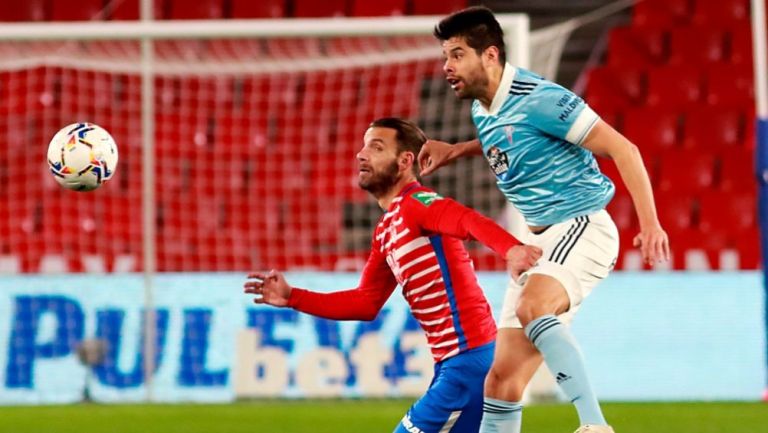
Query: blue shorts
[454, 400]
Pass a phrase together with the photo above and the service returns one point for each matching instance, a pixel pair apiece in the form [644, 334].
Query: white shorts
[578, 253]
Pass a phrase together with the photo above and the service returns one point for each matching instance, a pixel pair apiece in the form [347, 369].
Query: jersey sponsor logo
[498, 160]
[426, 198]
[569, 102]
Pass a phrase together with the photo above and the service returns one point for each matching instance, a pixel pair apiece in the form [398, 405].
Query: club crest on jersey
[426, 198]
[498, 160]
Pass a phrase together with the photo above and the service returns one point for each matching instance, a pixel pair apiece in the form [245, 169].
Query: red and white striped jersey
[418, 244]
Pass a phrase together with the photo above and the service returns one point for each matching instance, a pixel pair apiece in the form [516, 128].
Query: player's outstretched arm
[435, 154]
[361, 303]
[605, 141]
[270, 288]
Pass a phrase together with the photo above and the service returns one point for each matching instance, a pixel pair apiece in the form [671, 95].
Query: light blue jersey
[532, 136]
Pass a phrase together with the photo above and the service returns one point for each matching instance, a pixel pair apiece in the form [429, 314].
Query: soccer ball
[82, 156]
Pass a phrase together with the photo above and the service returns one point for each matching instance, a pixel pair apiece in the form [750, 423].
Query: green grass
[365, 416]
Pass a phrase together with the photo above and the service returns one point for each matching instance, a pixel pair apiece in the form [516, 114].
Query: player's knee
[531, 307]
[529, 310]
[503, 383]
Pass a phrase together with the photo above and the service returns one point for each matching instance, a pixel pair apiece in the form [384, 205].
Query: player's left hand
[653, 243]
[270, 288]
[520, 258]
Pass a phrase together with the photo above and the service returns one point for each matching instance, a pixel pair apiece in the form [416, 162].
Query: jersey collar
[408, 188]
[503, 91]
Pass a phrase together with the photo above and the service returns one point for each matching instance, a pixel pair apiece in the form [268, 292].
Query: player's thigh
[454, 401]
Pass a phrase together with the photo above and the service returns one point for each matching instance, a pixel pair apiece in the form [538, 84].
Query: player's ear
[491, 54]
[407, 160]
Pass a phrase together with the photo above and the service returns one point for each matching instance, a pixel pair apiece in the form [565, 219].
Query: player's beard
[380, 182]
[475, 85]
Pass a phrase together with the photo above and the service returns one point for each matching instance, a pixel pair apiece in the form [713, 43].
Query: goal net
[255, 143]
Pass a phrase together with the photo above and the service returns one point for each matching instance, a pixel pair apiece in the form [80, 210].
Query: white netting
[255, 147]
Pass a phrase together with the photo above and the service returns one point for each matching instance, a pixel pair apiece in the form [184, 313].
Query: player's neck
[385, 200]
[494, 81]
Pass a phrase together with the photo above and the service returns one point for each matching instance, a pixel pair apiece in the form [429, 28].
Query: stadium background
[255, 140]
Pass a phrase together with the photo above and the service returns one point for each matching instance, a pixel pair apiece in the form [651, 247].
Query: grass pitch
[362, 416]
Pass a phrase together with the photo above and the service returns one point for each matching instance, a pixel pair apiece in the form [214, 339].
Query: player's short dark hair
[477, 25]
[408, 135]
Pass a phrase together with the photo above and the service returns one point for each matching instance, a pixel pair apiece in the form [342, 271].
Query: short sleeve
[561, 113]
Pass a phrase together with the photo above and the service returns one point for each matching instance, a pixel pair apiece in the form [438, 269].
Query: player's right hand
[270, 288]
[520, 258]
[433, 155]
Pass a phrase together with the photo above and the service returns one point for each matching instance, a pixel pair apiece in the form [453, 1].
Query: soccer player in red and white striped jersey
[417, 244]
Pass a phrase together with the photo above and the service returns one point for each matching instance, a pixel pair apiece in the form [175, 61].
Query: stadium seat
[610, 89]
[662, 13]
[637, 47]
[30, 10]
[741, 44]
[727, 211]
[674, 87]
[367, 8]
[730, 85]
[748, 246]
[127, 10]
[737, 171]
[436, 7]
[196, 10]
[696, 46]
[675, 211]
[714, 128]
[684, 243]
[708, 12]
[258, 9]
[316, 9]
[686, 172]
[652, 129]
[77, 10]
[622, 211]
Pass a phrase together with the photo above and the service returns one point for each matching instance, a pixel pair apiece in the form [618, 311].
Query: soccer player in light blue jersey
[540, 140]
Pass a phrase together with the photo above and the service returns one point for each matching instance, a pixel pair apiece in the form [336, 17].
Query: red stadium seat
[367, 8]
[675, 211]
[674, 87]
[737, 171]
[315, 9]
[610, 89]
[258, 9]
[126, 10]
[30, 10]
[664, 13]
[686, 172]
[713, 127]
[696, 46]
[741, 44]
[437, 7]
[730, 85]
[77, 10]
[652, 129]
[637, 47]
[196, 10]
[622, 211]
[732, 212]
[748, 245]
[720, 11]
